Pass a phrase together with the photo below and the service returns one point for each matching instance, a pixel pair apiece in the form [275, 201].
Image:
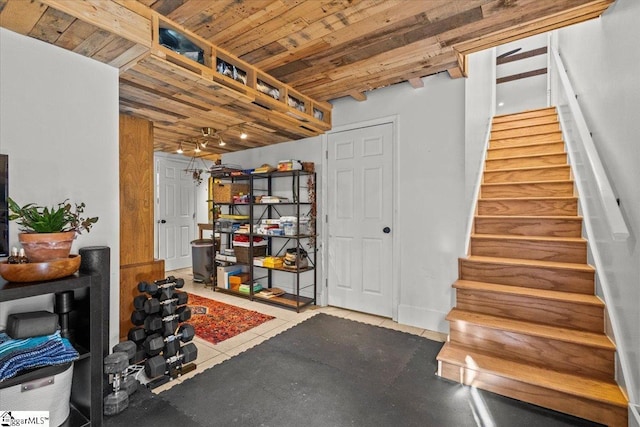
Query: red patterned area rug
[216, 321]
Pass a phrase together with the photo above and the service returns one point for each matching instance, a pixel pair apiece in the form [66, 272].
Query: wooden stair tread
[575, 336]
[529, 238]
[531, 263]
[498, 184]
[533, 133]
[527, 168]
[545, 294]
[528, 145]
[498, 199]
[541, 111]
[601, 391]
[532, 217]
[522, 123]
[524, 156]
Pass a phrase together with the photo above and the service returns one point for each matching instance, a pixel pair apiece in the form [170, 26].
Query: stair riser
[520, 307]
[529, 227]
[552, 207]
[534, 121]
[525, 140]
[526, 150]
[556, 173]
[578, 406]
[546, 189]
[525, 162]
[553, 279]
[526, 115]
[551, 354]
[575, 252]
[531, 130]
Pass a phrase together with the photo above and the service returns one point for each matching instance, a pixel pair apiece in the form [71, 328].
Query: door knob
[386, 230]
[163, 221]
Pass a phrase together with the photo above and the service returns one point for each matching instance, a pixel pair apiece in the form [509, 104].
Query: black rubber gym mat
[329, 371]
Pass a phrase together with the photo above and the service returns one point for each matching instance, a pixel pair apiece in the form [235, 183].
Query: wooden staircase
[527, 324]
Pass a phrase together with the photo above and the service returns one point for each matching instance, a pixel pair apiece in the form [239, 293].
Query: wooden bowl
[39, 271]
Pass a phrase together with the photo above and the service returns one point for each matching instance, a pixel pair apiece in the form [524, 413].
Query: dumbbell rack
[91, 292]
[161, 305]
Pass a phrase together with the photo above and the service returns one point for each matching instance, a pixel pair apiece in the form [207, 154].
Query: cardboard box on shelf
[223, 193]
[238, 279]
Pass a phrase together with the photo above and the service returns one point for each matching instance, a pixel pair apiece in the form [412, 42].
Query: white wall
[522, 94]
[603, 62]
[59, 126]
[431, 217]
[306, 150]
[430, 175]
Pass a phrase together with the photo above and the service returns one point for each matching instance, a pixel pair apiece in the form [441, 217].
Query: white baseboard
[423, 318]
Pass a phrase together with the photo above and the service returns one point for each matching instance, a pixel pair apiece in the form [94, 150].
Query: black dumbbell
[127, 383]
[138, 317]
[171, 349]
[158, 365]
[137, 335]
[150, 345]
[168, 283]
[138, 302]
[153, 323]
[117, 401]
[155, 346]
[168, 306]
[172, 321]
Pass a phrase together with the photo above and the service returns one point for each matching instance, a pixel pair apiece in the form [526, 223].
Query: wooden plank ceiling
[320, 49]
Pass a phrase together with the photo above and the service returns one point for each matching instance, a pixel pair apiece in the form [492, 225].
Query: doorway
[360, 219]
[175, 213]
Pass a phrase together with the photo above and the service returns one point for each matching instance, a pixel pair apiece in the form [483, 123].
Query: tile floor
[212, 354]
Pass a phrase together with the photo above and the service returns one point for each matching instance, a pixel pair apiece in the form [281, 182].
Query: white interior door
[176, 213]
[360, 217]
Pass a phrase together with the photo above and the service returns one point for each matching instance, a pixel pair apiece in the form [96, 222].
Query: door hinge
[326, 283]
[326, 218]
[326, 154]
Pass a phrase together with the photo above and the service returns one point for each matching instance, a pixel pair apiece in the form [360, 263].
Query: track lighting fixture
[197, 149]
[221, 142]
[180, 150]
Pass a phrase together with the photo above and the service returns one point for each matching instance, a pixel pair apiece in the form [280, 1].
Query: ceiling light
[222, 143]
[206, 132]
[243, 135]
[197, 149]
[180, 150]
[500, 104]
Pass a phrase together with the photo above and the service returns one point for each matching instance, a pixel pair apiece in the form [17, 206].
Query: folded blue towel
[28, 353]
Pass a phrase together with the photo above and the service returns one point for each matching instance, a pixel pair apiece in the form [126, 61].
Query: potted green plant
[47, 233]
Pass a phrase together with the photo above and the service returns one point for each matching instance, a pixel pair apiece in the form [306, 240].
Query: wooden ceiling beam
[358, 96]
[416, 82]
